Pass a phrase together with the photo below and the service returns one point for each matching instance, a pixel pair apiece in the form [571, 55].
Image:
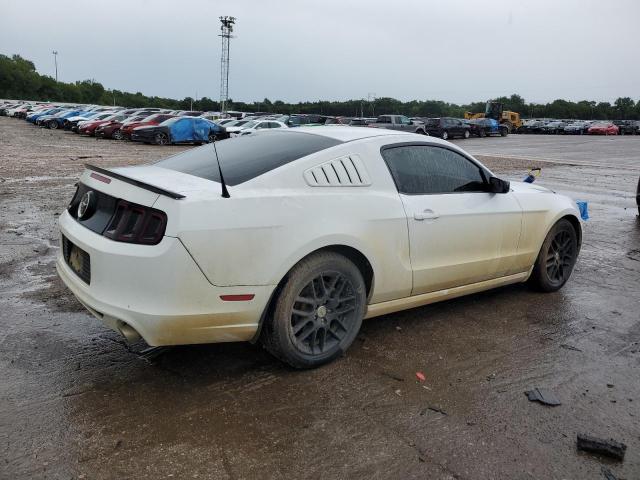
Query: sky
[297, 50]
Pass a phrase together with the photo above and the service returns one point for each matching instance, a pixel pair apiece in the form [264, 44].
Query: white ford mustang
[307, 232]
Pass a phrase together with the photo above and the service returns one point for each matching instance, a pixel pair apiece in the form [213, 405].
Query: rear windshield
[247, 157]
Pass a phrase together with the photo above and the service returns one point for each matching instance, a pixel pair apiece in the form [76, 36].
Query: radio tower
[226, 28]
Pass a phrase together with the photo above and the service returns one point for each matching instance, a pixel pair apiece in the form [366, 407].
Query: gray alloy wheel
[53, 124]
[317, 312]
[466, 134]
[445, 135]
[556, 258]
[212, 137]
[161, 138]
[117, 134]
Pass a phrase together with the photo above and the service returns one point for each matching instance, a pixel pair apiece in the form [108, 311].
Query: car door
[404, 123]
[459, 233]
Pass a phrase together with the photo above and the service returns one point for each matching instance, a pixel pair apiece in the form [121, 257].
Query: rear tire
[482, 133]
[318, 311]
[445, 135]
[556, 258]
[466, 134]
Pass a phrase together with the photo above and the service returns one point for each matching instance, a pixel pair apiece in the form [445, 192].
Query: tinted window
[405, 121]
[419, 169]
[248, 156]
[384, 120]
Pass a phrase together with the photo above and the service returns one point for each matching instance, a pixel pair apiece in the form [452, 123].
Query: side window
[421, 170]
[262, 125]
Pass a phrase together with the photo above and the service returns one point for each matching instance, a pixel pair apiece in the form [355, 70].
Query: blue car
[35, 116]
[57, 120]
[483, 127]
[179, 130]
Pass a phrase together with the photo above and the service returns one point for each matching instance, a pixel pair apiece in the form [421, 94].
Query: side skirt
[383, 308]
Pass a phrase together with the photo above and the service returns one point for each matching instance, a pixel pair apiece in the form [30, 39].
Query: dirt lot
[76, 402]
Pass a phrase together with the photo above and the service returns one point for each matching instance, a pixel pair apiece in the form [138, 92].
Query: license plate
[77, 259]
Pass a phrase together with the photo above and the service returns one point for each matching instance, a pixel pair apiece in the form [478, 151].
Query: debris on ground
[152, 353]
[398, 392]
[394, 376]
[420, 376]
[433, 408]
[607, 474]
[544, 396]
[610, 385]
[610, 447]
[491, 377]
[570, 347]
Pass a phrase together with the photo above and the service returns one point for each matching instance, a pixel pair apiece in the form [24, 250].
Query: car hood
[523, 187]
[145, 128]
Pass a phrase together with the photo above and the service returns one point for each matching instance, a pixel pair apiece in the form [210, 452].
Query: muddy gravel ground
[77, 402]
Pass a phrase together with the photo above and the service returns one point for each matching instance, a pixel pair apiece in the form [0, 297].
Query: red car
[89, 128]
[603, 129]
[113, 128]
[151, 120]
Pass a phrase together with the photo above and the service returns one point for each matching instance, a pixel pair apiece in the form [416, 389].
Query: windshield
[171, 121]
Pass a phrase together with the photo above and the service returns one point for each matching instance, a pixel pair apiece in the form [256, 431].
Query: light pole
[55, 59]
[372, 96]
[226, 29]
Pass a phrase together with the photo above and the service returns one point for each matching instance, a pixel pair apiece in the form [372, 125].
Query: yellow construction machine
[504, 117]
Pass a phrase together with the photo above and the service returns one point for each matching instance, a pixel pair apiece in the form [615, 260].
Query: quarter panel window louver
[347, 171]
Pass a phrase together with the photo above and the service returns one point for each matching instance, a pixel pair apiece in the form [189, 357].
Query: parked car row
[581, 127]
[149, 125]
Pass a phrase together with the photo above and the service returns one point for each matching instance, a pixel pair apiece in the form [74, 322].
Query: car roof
[345, 133]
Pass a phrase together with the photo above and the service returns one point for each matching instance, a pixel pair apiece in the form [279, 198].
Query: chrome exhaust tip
[130, 334]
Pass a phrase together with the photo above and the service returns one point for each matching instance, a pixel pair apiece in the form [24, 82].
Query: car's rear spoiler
[137, 183]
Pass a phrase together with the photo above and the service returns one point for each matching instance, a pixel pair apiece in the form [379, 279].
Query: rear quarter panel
[273, 221]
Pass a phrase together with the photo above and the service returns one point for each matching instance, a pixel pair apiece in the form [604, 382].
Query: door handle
[426, 214]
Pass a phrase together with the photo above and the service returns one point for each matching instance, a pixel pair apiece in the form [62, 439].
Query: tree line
[20, 80]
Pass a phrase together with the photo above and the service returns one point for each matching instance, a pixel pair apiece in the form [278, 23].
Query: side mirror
[497, 185]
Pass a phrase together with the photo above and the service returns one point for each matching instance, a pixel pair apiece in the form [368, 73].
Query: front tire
[52, 125]
[117, 134]
[161, 138]
[317, 312]
[213, 137]
[445, 135]
[466, 134]
[556, 258]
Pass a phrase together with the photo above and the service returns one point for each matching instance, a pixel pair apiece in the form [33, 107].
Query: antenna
[225, 192]
[226, 28]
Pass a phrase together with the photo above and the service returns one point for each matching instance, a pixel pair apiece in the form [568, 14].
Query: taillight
[133, 223]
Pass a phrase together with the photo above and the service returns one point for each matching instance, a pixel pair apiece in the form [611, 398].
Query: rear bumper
[158, 290]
